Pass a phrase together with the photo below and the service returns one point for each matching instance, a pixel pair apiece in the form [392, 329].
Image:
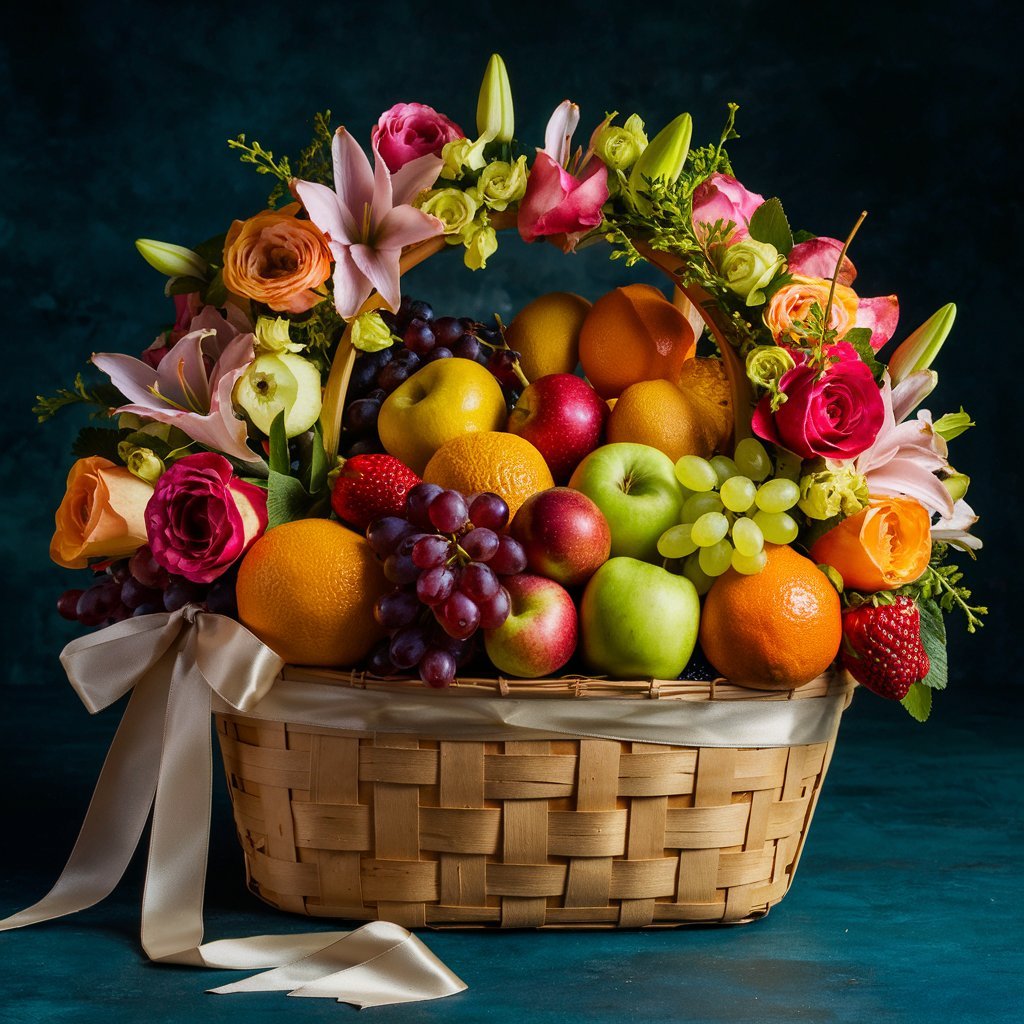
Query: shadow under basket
[525, 833]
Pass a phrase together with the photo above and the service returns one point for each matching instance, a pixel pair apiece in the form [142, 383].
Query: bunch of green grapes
[732, 507]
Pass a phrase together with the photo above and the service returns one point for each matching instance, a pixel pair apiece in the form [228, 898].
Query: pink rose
[558, 203]
[411, 130]
[723, 198]
[201, 520]
[833, 414]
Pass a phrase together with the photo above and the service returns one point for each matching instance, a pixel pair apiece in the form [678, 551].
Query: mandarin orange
[546, 334]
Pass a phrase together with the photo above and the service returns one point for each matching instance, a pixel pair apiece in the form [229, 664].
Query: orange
[776, 630]
[546, 334]
[633, 334]
[307, 590]
[490, 460]
[657, 413]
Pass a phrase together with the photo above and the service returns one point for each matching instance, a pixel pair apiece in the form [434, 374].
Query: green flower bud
[501, 183]
[172, 260]
[370, 333]
[481, 243]
[141, 462]
[953, 424]
[832, 492]
[280, 382]
[957, 484]
[453, 207]
[919, 351]
[495, 115]
[766, 364]
[749, 267]
[620, 148]
[663, 158]
[272, 335]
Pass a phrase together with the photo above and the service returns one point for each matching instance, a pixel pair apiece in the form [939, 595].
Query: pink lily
[367, 220]
[191, 388]
[817, 258]
[954, 528]
[559, 201]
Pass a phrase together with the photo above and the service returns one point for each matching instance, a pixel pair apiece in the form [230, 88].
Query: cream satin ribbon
[175, 665]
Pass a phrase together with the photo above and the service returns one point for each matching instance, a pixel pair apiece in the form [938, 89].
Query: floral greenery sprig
[941, 584]
[104, 396]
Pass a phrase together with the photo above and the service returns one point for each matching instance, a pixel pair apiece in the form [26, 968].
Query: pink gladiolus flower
[411, 130]
[721, 198]
[367, 220]
[559, 201]
[191, 387]
[201, 520]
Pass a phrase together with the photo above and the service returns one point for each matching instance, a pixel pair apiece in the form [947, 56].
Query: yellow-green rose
[481, 243]
[766, 364]
[462, 155]
[370, 333]
[502, 183]
[272, 335]
[748, 267]
[832, 492]
[141, 462]
[454, 208]
[620, 148]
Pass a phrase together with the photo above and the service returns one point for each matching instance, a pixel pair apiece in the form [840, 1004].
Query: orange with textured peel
[546, 334]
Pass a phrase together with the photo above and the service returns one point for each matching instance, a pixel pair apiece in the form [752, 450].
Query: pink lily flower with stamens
[367, 219]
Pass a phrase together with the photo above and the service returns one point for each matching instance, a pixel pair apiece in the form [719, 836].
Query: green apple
[639, 621]
[635, 487]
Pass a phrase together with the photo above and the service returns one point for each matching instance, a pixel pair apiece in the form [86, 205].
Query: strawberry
[882, 647]
[370, 486]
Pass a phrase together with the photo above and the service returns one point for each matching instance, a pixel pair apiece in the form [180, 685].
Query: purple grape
[422, 310]
[459, 616]
[384, 534]
[431, 551]
[480, 544]
[99, 602]
[510, 558]
[435, 586]
[447, 330]
[489, 511]
[148, 609]
[448, 512]
[368, 365]
[361, 415]
[408, 645]
[119, 614]
[441, 352]
[437, 668]
[119, 570]
[478, 581]
[393, 375]
[133, 593]
[419, 337]
[181, 592]
[467, 347]
[399, 569]
[67, 604]
[417, 503]
[494, 611]
[380, 663]
[146, 570]
[397, 608]
[388, 317]
[404, 312]
[221, 598]
[365, 446]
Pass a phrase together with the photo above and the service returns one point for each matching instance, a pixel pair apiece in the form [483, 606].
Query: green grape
[777, 527]
[724, 468]
[749, 565]
[696, 575]
[676, 542]
[695, 507]
[716, 559]
[696, 473]
[709, 529]
[747, 537]
[752, 458]
[777, 495]
[738, 493]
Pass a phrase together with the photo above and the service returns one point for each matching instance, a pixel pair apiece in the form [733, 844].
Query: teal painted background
[113, 126]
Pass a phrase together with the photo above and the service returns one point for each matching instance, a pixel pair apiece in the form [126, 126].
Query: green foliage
[933, 638]
[860, 339]
[101, 441]
[265, 163]
[918, 702]
[103, 395]
[769, 224]
[295, 497]
[941, 585]
[319, 331]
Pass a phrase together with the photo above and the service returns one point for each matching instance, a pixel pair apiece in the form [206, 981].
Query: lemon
[546, 334]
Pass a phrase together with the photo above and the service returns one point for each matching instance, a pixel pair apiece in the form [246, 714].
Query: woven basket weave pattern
[526, 834]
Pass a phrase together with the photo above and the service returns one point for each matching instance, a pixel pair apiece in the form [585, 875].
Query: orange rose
[101, 515]
[882, 547]
[277, 259]
[793, 302]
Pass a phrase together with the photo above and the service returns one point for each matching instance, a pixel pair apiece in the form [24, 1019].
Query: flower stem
[835, 275]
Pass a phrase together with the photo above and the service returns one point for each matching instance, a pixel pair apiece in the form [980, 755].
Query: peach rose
[793, 302]
[277, 259]
[882, 547]
[102, 514]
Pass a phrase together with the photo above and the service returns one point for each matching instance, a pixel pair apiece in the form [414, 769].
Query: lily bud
[919, 351]
[953, 424]
[495, 115]
[663, 158]
[172, 260]
[141, 462]
[956, 484]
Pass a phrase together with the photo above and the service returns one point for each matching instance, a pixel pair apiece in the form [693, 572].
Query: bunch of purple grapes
[446, 556]
[139, 586]
[424, 339]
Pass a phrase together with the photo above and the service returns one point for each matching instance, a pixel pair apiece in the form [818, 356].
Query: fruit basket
[541, 625]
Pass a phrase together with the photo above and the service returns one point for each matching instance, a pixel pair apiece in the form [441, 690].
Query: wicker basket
[572, 832]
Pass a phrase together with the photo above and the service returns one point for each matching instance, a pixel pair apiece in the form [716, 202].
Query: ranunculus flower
[201, 519]
[721, 198]
[620, 148]
[793, 302]
[278, 259]
[749, 267]
[502, 183]
[834, 413]
[884, 546]
[101, 514]
[411, 130]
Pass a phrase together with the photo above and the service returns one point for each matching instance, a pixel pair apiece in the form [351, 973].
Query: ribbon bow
[161, 759]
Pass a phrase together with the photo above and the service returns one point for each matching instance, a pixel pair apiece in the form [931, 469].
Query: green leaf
[212, 250]
[933, 637]
[798, 237]
[769, 224]
[98, 441]
[280, 460]
[103, 395]
[918, 702]
[287, 499]
[317, 462]
[184, 286]
[860, 339]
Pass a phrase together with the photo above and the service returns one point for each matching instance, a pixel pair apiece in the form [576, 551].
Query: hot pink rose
[558, 203]
[835, 414]
[201, 519]
[411, 130]
[722, 198]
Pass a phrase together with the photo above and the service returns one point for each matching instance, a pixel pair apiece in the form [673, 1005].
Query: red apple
[562, 416]
[565, 535]
[539, 635]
